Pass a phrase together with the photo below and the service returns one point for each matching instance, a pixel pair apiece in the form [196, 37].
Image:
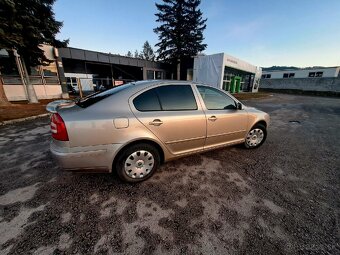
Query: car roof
[154, 82]
[149, 83]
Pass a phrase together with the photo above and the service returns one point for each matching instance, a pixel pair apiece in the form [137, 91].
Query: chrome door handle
[156, 122]
[212, 118]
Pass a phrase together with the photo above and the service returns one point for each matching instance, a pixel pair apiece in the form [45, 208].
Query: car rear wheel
[256, 137]
[137, 162]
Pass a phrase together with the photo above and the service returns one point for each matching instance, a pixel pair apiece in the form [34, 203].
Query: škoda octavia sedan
[133, 128]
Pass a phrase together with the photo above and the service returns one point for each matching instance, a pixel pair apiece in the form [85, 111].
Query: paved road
[280, 199]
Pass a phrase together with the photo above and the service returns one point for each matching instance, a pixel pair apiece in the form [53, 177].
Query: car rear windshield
[96, 97]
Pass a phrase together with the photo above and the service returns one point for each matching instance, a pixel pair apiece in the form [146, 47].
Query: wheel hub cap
[139, 164]
[254, 137]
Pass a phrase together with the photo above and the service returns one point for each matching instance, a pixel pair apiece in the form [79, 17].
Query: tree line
[146, 53]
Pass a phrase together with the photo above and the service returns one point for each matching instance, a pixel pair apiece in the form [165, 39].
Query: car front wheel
[137, 162]
[256, 137]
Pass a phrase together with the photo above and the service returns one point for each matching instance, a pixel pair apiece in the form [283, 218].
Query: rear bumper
[92, 158]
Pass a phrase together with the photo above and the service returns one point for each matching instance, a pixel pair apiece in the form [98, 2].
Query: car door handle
[212, 118]
[156, 122]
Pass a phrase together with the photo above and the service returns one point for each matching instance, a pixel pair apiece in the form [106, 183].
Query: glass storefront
[154, 75]
[50, 73]
[159, 75]
[237, 80]
[149, 75]
[8, 70]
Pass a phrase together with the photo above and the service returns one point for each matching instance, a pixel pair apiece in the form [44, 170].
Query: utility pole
[178, 69]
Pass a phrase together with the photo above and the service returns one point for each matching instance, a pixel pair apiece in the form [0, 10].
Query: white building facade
[327, 72]
[226, 72]
[312, 80]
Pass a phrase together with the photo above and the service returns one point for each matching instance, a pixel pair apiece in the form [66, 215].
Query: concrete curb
[9, 122]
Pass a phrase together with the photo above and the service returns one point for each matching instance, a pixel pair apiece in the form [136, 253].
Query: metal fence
[83, 86]
[34, 79]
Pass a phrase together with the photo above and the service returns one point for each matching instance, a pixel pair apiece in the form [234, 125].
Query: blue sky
[262, 32]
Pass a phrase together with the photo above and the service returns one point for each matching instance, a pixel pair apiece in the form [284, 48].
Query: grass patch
[246, 96]
[22, 109]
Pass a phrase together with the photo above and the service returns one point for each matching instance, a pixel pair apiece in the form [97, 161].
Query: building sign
[117, 83]
[232, 61]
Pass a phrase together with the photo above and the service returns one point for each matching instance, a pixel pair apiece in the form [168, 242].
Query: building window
[9, 71]
[35, 71]
[154, 75]
[266, 76]
[150, 75]
[50, 70]
[50, 73]
[288, 75]
[190, 74]
[159, 75]
[315, 74]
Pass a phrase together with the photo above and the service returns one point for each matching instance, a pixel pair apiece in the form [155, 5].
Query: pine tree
[24, 25]
[196, 25]
[129, 54]
[148, 52]
[181, 31]
[136, 54]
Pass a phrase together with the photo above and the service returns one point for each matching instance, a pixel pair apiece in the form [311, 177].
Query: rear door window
[166, 98]
[176, 98]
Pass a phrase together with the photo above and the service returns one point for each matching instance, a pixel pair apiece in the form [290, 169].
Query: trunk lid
[54, 106]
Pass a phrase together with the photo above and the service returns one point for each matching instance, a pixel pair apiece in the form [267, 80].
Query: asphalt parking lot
[282, 198]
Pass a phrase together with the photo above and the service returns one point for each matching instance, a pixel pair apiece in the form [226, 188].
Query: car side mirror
[239, 106]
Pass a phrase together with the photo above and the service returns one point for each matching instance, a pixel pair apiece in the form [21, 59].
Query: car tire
[137, 162]
[255, 137]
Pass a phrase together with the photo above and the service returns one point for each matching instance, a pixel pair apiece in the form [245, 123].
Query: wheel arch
[140, 141]
[260, 122]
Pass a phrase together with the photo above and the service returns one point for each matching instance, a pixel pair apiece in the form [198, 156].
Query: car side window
[147, 101]
[215, 99]
[176, 98]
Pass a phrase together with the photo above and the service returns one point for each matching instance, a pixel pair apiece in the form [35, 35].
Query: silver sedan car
[133, 128]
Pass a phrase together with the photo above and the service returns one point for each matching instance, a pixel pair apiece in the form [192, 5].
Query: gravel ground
[282, 198]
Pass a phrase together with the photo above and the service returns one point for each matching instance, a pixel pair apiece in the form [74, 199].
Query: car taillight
[58, 128]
